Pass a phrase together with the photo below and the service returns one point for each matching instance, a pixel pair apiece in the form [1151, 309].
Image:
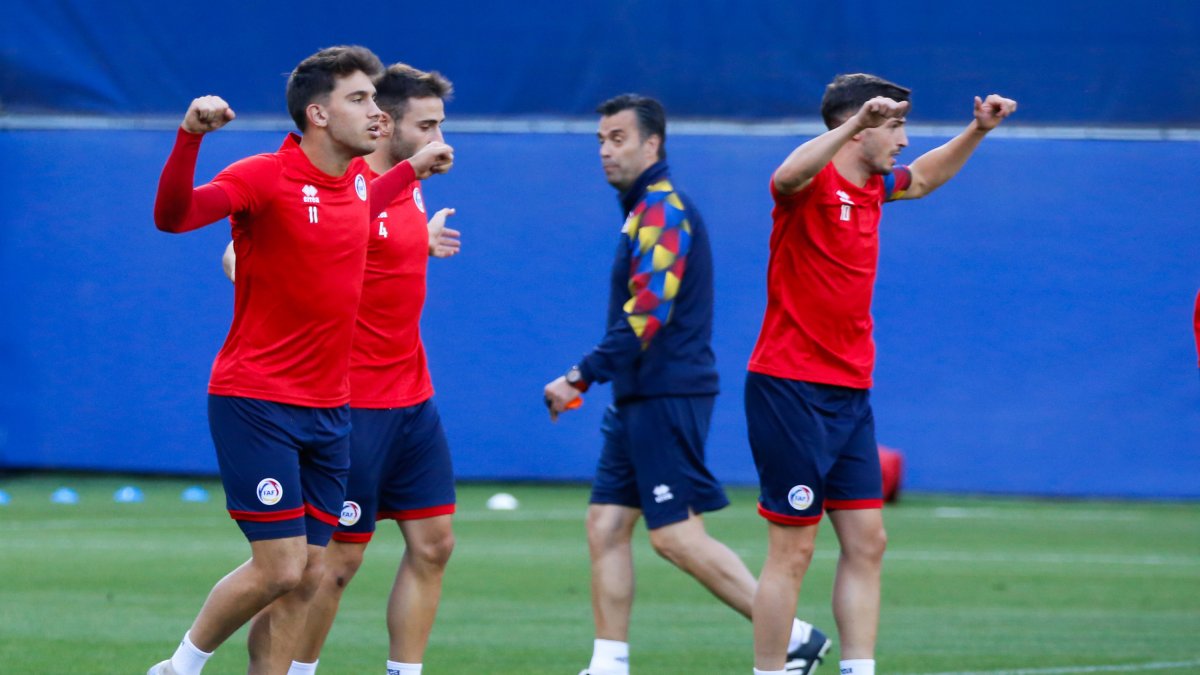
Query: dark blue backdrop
[1072, 62]
[1033, 316]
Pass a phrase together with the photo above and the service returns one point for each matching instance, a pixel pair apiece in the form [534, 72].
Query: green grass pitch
[971, 585]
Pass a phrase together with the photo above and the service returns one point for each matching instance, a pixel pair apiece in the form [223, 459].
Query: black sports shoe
[804, 659]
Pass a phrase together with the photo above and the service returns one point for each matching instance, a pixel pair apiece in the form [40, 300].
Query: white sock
[769, 672]
[801, 631]
[609, 657]
[397, 668]
[858, 667]
[299, 668]
[188, 658]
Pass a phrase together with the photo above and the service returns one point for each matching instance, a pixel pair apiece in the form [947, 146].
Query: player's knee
[433, 551]
[867, 546]
[604, 531]
[284, 577]
[669, 545]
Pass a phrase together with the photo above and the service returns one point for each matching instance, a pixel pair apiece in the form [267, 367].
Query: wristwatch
[575, 379]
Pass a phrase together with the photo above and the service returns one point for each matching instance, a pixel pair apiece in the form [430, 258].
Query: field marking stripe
[1067, 670]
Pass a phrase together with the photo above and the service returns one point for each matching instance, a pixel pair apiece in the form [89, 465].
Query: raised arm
[934, 168]
[178, 207]
[806, 161]
[434, 158]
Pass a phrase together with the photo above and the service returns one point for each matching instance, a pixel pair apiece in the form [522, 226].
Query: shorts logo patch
[800, 497]
[351, 512]
[360, 186]
[269, 491]
[662, 493]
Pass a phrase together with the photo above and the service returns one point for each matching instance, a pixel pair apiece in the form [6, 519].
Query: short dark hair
[316, 76]
[401, 82]
[847, 93]
[651, 117]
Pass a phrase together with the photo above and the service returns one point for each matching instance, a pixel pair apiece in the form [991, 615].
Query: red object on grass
[891, 462]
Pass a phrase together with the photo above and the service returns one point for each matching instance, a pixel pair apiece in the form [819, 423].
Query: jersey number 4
[382, 231]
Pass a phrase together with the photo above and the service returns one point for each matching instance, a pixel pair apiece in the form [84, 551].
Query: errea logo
[841, 194]
[310, 195]
[662, 493]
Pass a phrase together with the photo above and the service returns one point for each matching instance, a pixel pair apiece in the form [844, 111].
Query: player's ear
[316, 115]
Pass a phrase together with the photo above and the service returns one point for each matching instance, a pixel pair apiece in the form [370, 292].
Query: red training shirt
[821, 274]
[387, 362]
[300, 236]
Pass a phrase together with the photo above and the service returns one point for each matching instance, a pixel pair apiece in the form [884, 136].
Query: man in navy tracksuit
[657, 354]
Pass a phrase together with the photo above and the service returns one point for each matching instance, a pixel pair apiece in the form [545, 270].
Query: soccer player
[811, 429]
[279, 388]
[657, 354]
[400, 466]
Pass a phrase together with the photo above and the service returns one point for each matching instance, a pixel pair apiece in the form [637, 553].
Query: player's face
[420, 126]
[352, 116]
[624, 154]
[881, 145]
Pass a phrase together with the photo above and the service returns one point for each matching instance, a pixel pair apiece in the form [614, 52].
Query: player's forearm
[807, 160]
[934, 168]
[388, 186]
[177, 206]
[615, 353]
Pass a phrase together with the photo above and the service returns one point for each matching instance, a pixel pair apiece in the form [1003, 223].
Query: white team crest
[310, 195]
[800, 497]
[269, 491]
[418, 200]
[360, 186]
[351, 512]
[662, 493]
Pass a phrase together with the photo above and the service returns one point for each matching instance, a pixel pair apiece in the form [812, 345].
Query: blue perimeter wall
[1068, 61]
[1033, 317]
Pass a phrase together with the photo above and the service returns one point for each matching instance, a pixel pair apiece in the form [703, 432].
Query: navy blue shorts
[283, 466]
[814, 448]
[400, 469]
[653, 459]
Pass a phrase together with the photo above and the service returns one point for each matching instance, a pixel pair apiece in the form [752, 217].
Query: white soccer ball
[502, 501]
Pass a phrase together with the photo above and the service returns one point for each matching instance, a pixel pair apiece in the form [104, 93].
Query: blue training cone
[128, 495]
[194, 493]
[64, 495]
[4, 498]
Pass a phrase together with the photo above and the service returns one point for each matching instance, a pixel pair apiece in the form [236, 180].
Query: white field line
[1068, 670]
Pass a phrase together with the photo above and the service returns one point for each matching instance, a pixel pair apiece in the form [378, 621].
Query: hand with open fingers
[991, 111]
[880, 109]
[443, 241]
[205, 114]
[435, 157]
[558, 395]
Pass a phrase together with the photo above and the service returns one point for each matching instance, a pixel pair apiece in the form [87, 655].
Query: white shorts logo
[360, 186]
[269, 491]
[351, 512]
[800, 497]
[418, 200]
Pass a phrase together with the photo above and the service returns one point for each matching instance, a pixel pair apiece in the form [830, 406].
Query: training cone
[194, 493]
[128, 495]
[64, 495]
[4, 498]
